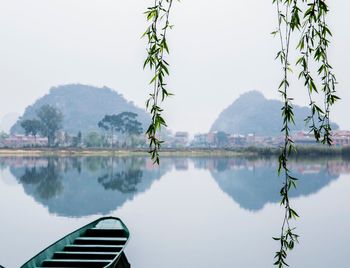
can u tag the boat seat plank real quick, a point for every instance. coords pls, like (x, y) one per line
(75, 263)
(101, 240)
(84, 255)
(94, 248)
(93, 232)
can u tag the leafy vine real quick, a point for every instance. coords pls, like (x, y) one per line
(158, 16)
(288, 21)
(309, 18)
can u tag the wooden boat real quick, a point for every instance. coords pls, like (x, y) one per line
(99, 244)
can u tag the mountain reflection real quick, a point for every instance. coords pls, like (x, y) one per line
(254, 183)
(81, 186)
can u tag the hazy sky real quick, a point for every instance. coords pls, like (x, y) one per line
(219, 49)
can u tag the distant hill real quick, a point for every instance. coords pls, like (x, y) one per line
(253, 113)
(83, 107)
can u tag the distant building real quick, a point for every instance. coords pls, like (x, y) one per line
(181, 139)
(18, 141)
(223, 140)
(200, 141)
(211, 137)
(237, 140)
(341, 137)
(304, 138)
(251, 139)
(211, 140)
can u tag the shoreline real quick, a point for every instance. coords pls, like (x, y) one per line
(166, 152)
(117, 152)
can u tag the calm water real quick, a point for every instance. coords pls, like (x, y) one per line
(189, 212)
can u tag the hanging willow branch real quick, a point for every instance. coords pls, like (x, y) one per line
(313, 45)
(307, 17)
(288, 21)
(158, 16)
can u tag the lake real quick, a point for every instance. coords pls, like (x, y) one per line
(188, 213)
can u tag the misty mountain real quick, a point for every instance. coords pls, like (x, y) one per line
(253, 113)
(83, 107)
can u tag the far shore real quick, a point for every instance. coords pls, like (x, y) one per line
(116, 152)
(319, 151)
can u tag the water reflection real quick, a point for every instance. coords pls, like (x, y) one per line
(81, 186)
(254, 183)
(47, 180)
(73, 186)
(191, 196)
(123, 175)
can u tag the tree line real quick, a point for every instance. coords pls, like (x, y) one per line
(117, 130)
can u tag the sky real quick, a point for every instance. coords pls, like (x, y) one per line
(219, 50)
